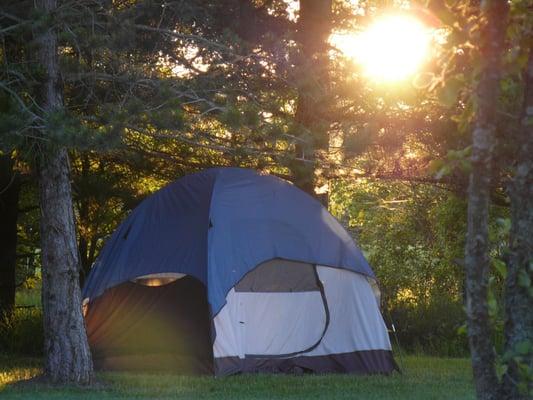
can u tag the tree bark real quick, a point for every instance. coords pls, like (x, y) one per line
(9, 199)
(314, 28)
(518, 300)
(493, 21)
(67, 354)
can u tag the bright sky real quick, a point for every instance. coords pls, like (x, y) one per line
(391, 49)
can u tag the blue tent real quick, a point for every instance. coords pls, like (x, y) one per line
(218, 226)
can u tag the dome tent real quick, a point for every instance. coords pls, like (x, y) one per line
(228, 271)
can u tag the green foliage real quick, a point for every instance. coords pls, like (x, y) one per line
(358, 142)
(449, 93)
(456, 162)
(413, 236)
(520, 355)
(21, 332)
(232, 117)
(29, 295)
(431, 328)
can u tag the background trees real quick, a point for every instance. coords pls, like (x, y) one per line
(152, 90)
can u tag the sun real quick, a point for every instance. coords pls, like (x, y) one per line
(392, 49)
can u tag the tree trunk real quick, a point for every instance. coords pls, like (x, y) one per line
(9, 198)
(314, 28)
(67, 355)
(518, 300)
(493, 17)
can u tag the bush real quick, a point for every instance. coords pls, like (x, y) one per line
(21, 332)
(431, 328)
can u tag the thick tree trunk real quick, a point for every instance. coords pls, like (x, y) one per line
(314, 28)
(518, 300)
(477, 261)
(9, 198)
(67, 355)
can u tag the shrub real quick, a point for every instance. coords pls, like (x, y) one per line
(431, 328)
(21, 332)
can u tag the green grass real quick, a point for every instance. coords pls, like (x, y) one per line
(424, 378)
(29, 297)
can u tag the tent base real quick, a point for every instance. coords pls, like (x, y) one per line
(358, 362)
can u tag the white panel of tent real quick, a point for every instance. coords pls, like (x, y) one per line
(273, 323)
(286, 322)
(355, 322)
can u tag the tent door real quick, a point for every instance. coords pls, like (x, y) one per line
(142, 326)
(277, 310)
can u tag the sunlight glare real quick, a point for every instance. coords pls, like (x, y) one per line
(391, 49)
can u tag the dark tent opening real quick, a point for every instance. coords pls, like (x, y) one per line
(152, 325)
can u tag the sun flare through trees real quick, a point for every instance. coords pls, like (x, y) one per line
(391, 49)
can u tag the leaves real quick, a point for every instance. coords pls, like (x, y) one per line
(501, 370)
(524, 279)
(456, 160)
(500, 267)
(462, 330)
(449, 93)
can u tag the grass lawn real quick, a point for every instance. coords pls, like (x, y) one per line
(423, 378)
